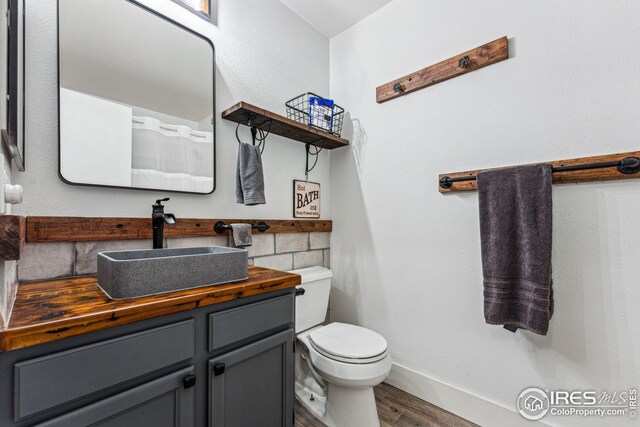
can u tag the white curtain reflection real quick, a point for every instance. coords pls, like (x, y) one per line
(170, 156)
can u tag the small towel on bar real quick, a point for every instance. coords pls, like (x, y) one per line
(515, 234)
(249, 176)
(240, 235)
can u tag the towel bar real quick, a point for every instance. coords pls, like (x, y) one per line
(627, 166)
(220, 227)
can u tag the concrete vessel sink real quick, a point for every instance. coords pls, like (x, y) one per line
(133, 274)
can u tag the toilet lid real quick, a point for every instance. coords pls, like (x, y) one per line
(348, 341)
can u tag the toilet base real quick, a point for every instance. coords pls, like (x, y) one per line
(314, 403)
(342, 407)
(352, 407)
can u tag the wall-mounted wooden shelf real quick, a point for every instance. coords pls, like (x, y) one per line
(282, 126)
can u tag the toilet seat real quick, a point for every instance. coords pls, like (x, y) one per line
(348, 343)
(346, 374)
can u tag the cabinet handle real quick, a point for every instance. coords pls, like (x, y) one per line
(300, 291)
(218, 369)
(189, 381)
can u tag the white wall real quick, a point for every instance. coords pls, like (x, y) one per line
(265, 55)
(407, 258)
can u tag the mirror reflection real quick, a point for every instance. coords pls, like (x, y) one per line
(136, 99)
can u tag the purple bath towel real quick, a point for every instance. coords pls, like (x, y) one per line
(515, 233)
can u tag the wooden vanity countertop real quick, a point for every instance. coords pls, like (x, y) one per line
(51, 310)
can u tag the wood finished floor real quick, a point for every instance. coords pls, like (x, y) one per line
(397, 409)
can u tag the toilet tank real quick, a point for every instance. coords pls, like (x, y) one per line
(311, 308)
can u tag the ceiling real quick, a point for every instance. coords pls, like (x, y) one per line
(331, 17)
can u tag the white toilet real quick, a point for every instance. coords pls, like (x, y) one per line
(337, 365)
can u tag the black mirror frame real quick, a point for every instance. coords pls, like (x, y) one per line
(201, 14)
(13, 136)
(177, 24)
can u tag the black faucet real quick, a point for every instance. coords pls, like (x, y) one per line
(158, 219)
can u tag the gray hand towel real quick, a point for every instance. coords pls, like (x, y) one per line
(515, 233)
(249, 176)
(240, 235)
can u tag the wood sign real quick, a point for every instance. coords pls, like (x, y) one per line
(306, 199)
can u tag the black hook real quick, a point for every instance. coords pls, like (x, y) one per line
(398, 87)
(306, 166)
(254, 132)
(464, 62)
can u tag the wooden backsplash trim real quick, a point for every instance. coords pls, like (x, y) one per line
(12, 237)
(42, 229)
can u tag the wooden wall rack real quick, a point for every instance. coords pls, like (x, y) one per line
(487, 54)
(283, 126)
(584, 169)
(42, 229)
(12, 237)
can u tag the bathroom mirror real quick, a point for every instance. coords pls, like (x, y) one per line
(136, 99)
(13, 123)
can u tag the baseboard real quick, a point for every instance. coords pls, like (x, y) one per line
(467, 405)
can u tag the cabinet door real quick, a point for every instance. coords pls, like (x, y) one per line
(164, 402)
(60, 378)
(253, 386)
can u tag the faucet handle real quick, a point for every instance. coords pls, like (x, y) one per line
(159, 201)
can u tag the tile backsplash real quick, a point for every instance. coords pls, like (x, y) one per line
(284, 251)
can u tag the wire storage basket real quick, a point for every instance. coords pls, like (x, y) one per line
(316, 111)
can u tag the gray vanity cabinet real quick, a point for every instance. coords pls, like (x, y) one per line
(252, 386)
(164, 402)
(225, 365)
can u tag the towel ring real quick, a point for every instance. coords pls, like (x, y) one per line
(257, 134)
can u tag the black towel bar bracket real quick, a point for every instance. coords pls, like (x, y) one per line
(626, 166)
(220, 227)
